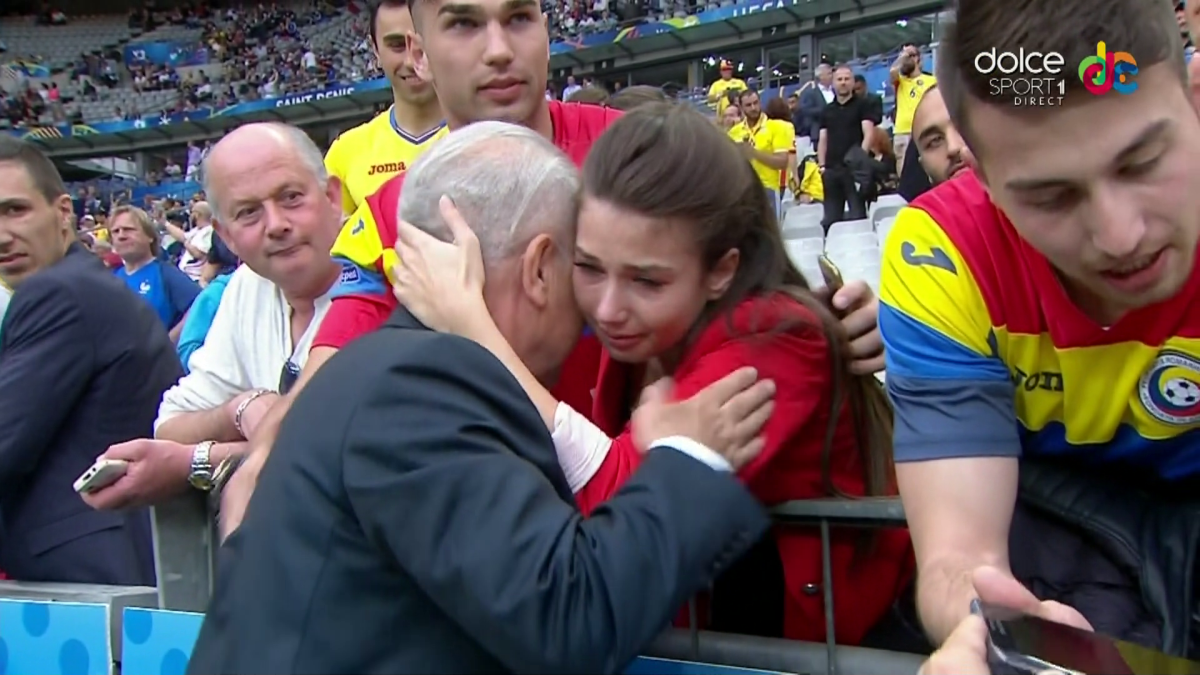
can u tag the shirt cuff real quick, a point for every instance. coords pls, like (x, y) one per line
(696, 450)
(580, 445)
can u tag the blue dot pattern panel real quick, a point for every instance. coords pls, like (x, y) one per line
(158, 642)
(648, 666)
(54, 638)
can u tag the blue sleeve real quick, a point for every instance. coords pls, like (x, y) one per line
(181, 291)
(199, 320)
(951, 391)
(948, 400)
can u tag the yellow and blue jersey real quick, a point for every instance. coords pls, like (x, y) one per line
(987, 356)
(370, 154)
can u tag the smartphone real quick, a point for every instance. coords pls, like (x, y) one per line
(830, 273)
(1028, 645)
(103, 473)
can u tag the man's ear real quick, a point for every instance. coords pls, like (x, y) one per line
(416, 47)
(65, 208)
(537, 270)
(333, 191)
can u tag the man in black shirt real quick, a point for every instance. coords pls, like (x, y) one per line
(845, 124)
(874, 101)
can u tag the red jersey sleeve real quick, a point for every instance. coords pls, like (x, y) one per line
(799, 366)
(350, 316)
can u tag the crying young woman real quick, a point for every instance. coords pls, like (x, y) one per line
(680, 270)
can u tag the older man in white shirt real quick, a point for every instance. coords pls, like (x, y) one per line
(279, 212)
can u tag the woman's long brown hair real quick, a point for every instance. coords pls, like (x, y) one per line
(669, 161)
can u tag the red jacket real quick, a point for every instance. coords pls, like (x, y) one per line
(789, 467)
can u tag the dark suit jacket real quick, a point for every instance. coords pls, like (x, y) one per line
(413, 518)
(83, 365)
(812, 103)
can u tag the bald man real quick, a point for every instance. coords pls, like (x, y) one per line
(279, 211)
(943, 154)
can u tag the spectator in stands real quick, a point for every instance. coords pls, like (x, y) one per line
(279, 212)
(940, 148)
(1020, 281)
(220, 260)
(813, 98)
(909, 82)
(107, 255)
(570, 88)
(845, 124)
(730, 118)
(766, 143)
(197, 241)
(471, 541)
(593, 95)
(636, 96)
(83, 364)
(167, 290)
(666, 193)
(199, 319)
(874, 102)
(718, 91)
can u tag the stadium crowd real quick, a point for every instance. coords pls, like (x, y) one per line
(509, 217)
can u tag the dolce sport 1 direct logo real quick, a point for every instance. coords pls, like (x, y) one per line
(1031, 78)
(1108, 71)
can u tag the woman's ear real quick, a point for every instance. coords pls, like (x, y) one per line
(722, 274)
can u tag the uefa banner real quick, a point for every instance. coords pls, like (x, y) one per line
(65, 638)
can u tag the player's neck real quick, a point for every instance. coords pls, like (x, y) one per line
(416, 120)
(540, 122)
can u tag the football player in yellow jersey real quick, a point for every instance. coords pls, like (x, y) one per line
(910, 83)
(368, 155)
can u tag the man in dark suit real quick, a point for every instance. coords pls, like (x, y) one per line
(813, 100)
(83, 364)
(414, 518)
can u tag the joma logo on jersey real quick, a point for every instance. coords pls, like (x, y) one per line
(389, 167)
(1047, 381)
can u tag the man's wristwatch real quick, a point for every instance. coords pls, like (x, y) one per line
(201, 476)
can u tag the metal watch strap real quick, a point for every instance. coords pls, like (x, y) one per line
(202, 468)
(241, 409)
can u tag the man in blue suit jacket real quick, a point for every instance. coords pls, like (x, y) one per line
(83, 364)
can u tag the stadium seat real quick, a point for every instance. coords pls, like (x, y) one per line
(847, 227)
(887, 207)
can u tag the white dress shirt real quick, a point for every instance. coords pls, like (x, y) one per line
(582, 446)
(247, 347)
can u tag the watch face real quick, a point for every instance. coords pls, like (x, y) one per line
(201, 481)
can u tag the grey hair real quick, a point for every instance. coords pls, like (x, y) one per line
(310, 155)
(506, 180)
(823, 68)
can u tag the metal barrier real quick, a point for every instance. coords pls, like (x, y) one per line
(825, 513)
(185, 548)
(779, 656)
(184, 537)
